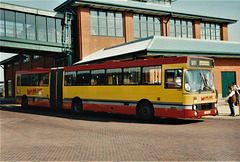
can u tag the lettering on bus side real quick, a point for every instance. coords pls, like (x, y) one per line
(34, 91)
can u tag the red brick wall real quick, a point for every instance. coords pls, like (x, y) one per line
(225, 64)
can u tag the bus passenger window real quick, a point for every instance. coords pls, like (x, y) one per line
(152, 75)
(83, 77)
(98, 77)
(34, 80)
(70, 78)
(131, 76)
(114, 76)
(43, 79)
(173, 78)
(25, 80)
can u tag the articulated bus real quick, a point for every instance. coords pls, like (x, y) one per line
(176, 87)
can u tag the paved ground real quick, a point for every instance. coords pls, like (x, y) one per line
(43, 135)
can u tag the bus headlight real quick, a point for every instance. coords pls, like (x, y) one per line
(194, 107)
(195, 113)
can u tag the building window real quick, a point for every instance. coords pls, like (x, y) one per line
(106, 23)
(16, 63)
(42, 28)
(165, 2)
(25, 58)
(181, 28)
(146, 25)
(35, 57)
(59, 30)
(31, 26)
(51, 29)
(210, 31)
(2, 23)
(10, 23)
(20, 25)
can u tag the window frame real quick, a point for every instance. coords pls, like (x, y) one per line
(165, 79)
(100, 23)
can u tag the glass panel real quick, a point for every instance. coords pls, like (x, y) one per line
(44, 79)
(172, 28)
(157, 26)
(70, 78)
(41, 28)
(20, 25)
(199, 80)
(25, 80)
(98, 77)
(31, 28)
(83, 77)
(2, 23)
(152, 75)
(173, 78)
(131, 76)
(10, 23)
(51, 27)
(59, 30)
(114, 76)
(25, 58)
(34, 80)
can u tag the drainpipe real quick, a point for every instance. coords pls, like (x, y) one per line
(169, 16)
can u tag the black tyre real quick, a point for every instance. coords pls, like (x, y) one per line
(77, 106)
(24, 102)
(145, 111)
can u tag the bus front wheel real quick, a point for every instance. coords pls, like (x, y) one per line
(24, 102)
(77, 106)
(145, 111)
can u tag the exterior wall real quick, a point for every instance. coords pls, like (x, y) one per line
(196, 29)
(224, 32)
(89, 44)
(224, 65)
(128, 26)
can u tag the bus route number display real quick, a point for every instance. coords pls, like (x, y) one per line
(194, 62)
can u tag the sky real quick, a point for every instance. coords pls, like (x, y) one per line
(218, 8)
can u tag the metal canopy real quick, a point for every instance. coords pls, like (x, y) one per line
(166, 46)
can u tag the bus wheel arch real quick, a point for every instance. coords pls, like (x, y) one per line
(145, 110)
(77, 106)
(24, 103)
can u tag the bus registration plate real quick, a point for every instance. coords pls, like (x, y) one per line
(207, 112)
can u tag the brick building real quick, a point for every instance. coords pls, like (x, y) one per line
(102, 24)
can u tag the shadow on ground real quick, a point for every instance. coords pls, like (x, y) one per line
(96, 116)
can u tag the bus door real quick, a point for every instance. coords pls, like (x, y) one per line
(173, 84)
(56, 83)
(60, 88)
(53, 88)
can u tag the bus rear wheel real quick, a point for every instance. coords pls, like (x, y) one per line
(77, 106)
(145, 111)
(24, 102)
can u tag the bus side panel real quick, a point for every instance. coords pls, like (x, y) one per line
(110, 108)
(182, 113)
(170, 113)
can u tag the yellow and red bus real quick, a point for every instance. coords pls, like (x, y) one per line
(176, 87)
